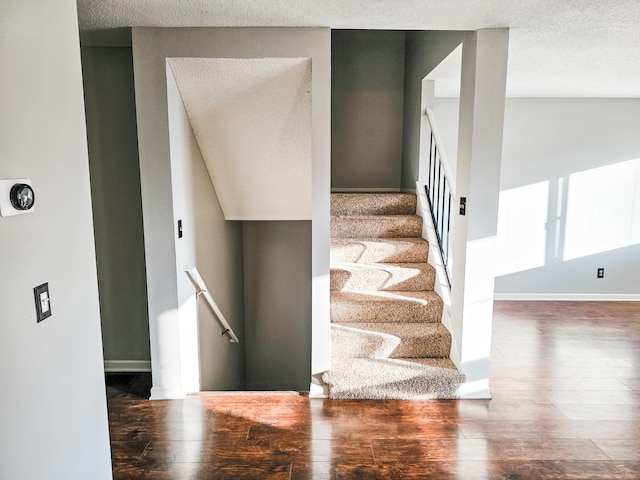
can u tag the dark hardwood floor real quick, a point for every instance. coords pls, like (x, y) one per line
(565, 381)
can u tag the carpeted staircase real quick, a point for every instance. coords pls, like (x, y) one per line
(386, 337)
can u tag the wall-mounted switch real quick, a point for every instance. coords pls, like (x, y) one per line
(463, 205)
(601, 273)
(179, 228)
(43, 302)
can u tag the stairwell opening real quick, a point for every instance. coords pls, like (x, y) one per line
(241, 157)
(388, 340)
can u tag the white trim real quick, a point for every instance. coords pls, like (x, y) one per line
(161, 393)
(569, 297)
(318, 391)
(115, 366)
(365, 190)
(478, 390)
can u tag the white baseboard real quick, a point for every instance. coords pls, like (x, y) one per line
(478, 390)
(318, 391)
(365, 190)
(569, 297)
(115, 366)
(161, 393)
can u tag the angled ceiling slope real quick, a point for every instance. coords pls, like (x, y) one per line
(252, 121)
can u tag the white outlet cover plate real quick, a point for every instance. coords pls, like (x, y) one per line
(6, 209)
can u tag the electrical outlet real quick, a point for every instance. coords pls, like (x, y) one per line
(43, 301)
(601, 273)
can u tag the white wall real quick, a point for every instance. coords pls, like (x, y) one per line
(151, 47)
(480, 135)
(574, 167)
(214, 246)
(53, 420)
(570, 184)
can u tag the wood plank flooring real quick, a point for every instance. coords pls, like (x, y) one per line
(566, 385)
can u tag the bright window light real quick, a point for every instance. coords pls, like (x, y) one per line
(522, 228)
(603, 209)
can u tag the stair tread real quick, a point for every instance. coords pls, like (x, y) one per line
(393, 340)
(401, 378)
(412, 276)
(406, 330)
(394, 306)
(386, 240)
(373, 203)
(382, 265)
(376, 218)
(420, 298)
(383, 226)
(379, 250)
(386, 332)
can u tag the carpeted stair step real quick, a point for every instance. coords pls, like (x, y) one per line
(419, 379)
(416, 340)
(387, 341)
(387, 226)
(373, 204)
(403, 277)
(348, 341)
(377, 250)
(371, 307)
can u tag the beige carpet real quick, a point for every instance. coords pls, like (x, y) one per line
(387, 340)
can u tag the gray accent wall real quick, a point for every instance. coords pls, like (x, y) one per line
(117, 205)
(53, 420)
(277, 285)
(424, 51)
(367, 81)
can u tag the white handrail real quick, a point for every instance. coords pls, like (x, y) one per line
(443, 158)
(201, 289)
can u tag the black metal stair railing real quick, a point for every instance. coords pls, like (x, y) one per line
(440, 199)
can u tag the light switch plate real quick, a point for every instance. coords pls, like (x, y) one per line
(43, 302)
(6, 209)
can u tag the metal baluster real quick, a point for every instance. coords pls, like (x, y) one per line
(447, 245)
(439, 180)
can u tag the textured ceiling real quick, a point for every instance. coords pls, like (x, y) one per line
(252, 121)
(588, 48)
